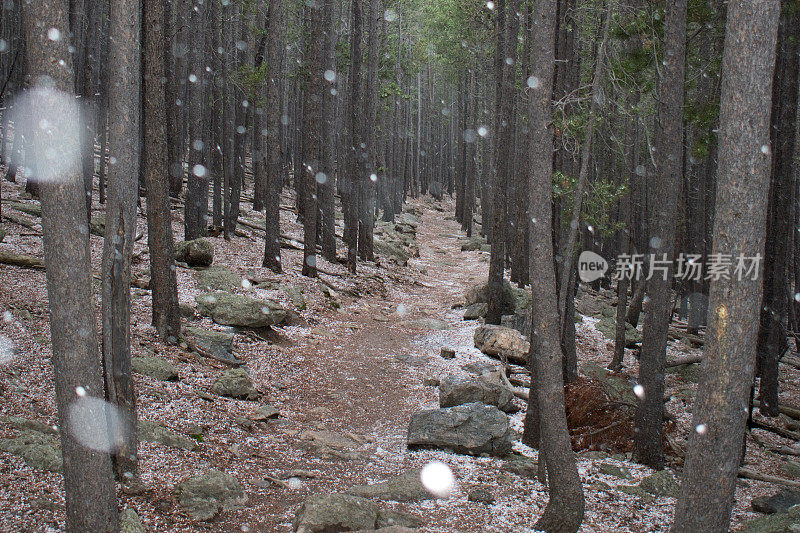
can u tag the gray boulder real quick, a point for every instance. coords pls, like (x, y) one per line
(480, 294)
(661, 483)
(407, 487)
(217, 344)
(473, 428)
(235, 383)
(296, 295)
(476, 311)
(204, 497)
(391, 250)
(155, 367)
(236, 310)
(783, 522)
(472, 244)
(343, 512)
(777, 503)
(459, 390)
(196, 253)
(499, 342)
(218, 278)
(149, 431)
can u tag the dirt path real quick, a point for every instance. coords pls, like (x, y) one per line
(346, 377)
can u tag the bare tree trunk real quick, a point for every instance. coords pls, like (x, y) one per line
(123, 97)
(90, 496)
(564, 511)
(772, 333)
(272, 244)
(720, 412)
(648, 439)
(166, 314)
(328, 162)
(351, 184)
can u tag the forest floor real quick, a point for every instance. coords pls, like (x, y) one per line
(352, 364)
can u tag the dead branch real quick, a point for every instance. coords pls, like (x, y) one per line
(746, 473)
(20, 260)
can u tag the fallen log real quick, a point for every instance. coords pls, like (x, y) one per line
(20, 220)
(791, 412)
(746, 473)
(685, 361)
(20, 260)
(785, 433)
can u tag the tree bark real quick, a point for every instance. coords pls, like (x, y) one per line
(90, 496)
(272, 200)
(648, 439)
(123, 175)
(720, 412)
(564, 511)
(166, 314)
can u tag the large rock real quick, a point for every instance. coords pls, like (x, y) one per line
(617, 386)
(472, 244)
(236, 310)
(392, 250)
(480, 294)
(784, 522)
(204, 497)
(777, 503)
(343, 512)
(218, 344)
(407, 487)
(608, 327)
(39, 450)
(155, 367)
(459, 390)
(473, 428)
(476, 311)
(500, 342)
(661, 483)
(149, 431)
(520, 321)
(235, 383)
(196, 253)
(218, 278)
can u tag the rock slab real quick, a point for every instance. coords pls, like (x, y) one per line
(472, 429)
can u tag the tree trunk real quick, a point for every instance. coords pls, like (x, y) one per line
(772, 333)
(90, 496)
(648, 439)
(351, 183)
(123, 135)
(166, 314)
(311, 170)
(720, 412)
(564, 511)
(272, 200)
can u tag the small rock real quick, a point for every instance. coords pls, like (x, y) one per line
(427, 323)
(154, 367)
(216, 343)
(430, 382)
(265, 412)
(480, 368)
(458, 390)
(336, 512)
(481, 494)
(218, 278)
(186, 310)
(204, 497)
(196, 253)
(129, 522)
(296, 295)
(243, 422)
(614, 471)
(407, 487)
(448, 353)
(153, 432)
(235, 383)
(522, 466)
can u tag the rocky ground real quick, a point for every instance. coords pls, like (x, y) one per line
(296, 403)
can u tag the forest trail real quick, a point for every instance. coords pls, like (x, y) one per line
(346, 375)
